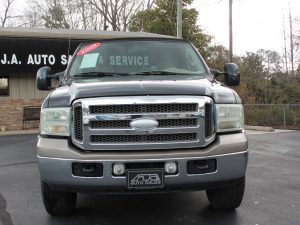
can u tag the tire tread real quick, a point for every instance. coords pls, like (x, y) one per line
(228, 197)
(58, 203)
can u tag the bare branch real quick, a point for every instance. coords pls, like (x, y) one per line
(84, 14)
(6, 15)
(118, 13)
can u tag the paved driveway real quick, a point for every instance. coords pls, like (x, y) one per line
(272, 194)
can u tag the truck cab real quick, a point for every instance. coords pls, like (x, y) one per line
(140, 114)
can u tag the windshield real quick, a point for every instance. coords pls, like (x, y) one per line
(132, 57)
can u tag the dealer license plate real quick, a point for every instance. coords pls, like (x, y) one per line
(145, 179)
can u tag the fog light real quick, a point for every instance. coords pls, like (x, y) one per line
(170, 167)
(118, 169)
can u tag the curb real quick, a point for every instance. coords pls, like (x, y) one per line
(19, 132)
(259, 128)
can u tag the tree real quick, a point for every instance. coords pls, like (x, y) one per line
(263, 80)
(297, 43)
(55, 17)
(49, 13)
(291, 37)
(258, 82)
(218, 56)
(84, 14)
(88, 15)
(118, 13)
(252, 66)
(272, 61)
(162, 20)
(252, 75)
(6, 6)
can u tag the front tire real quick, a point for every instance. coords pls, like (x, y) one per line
(228, 197)
(58, 203)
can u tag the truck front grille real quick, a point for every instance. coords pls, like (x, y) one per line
(78, 122)
(123, 124)
(105, 123)
(152, 138)
(142, 108)
(208, 121)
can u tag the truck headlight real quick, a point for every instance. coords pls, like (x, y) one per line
(230, 117)
(55, 121)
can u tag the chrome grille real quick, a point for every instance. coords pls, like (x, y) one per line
(177, 123)
(208, 121)
(104, 123)
(110, 124)
(154, 138)
(78, 122)
(151, 108)
(122, 124)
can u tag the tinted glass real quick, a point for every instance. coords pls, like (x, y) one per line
(132, 57)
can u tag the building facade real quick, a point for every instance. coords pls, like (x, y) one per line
(22, 52)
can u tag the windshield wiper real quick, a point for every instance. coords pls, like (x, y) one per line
(159, 72)
(98, 74)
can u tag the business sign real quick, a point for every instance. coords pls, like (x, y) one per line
(19, 55)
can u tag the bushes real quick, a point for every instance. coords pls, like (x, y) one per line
(274, 115)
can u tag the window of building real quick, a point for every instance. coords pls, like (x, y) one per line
(4, 86)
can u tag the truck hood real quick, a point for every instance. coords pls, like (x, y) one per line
(65, 95)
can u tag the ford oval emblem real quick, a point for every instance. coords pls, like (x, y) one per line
(145, 124)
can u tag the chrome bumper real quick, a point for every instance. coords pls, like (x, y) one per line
(230, 151)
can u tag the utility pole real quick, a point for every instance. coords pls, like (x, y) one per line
(179, 18)
(291, 38)
(230, 32)
(285, 56)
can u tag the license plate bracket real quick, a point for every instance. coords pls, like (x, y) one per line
(145, 179)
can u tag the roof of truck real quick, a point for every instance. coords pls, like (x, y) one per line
(73, 34)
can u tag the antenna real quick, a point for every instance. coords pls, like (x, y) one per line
(69, 46)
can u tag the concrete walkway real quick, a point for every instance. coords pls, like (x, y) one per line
(19, 132)
(259, 128)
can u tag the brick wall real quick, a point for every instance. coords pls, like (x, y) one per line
(11, 113)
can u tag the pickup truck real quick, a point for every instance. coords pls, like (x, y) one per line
(138, 115)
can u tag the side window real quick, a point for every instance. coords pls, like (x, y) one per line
(4, 86)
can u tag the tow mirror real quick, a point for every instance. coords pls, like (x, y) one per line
(44, 77)
(216, 73)
(231, 74)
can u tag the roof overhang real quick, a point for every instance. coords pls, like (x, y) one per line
(74, 34)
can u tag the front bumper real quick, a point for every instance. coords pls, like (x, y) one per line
(55, 158)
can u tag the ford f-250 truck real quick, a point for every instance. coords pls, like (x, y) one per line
(140, 114)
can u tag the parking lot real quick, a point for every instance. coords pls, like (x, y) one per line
(272, 194)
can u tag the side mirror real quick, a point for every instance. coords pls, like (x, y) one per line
(58, 76)
(43, 79)
(231, 74)
(216, 73)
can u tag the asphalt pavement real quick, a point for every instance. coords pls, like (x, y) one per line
(272, 194)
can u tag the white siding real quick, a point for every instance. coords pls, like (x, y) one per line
(22, 86)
